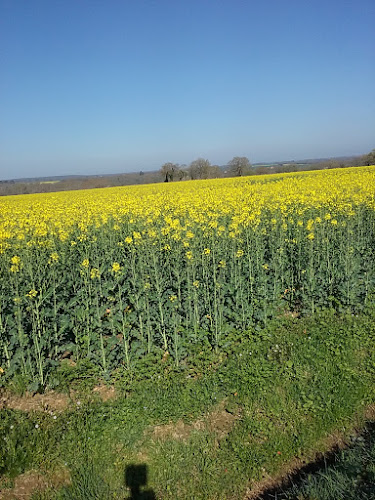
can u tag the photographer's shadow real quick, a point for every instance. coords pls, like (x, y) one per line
(136, 481)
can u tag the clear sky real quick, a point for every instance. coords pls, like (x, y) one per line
(107, 86)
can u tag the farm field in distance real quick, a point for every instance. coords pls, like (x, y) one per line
(233, 318)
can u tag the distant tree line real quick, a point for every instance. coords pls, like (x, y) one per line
(241, 166)
(200, 168)
(15, 187)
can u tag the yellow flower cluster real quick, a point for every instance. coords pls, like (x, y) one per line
(94, 273)
(16, 264)
(116, 268)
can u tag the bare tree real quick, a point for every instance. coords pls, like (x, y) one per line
(239, 165)
(200, 169)
(169, 171)
(369, 159)
(215, 172)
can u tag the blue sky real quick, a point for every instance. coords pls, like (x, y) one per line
(107, 86)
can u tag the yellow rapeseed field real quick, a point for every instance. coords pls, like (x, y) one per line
(239, 201)
(111, 275)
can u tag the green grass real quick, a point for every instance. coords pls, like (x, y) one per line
(281, 390)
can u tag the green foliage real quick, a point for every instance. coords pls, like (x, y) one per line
(26, 440)
(160, 302)
(87, 484)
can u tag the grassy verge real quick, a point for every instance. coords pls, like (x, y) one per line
(349, 474)
(212, 429)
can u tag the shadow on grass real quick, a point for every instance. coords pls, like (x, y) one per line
(136, 481)
(340, 466)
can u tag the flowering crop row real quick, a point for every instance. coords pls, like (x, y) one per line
(119, 273)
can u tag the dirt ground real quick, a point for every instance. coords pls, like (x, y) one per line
(219, 421)
(50, 401)
(26, 484)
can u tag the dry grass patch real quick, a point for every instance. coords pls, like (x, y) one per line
(50, 401)
(219, 421)
(28, 483)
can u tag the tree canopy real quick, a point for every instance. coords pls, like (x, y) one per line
(239, 165)
(169, 171)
